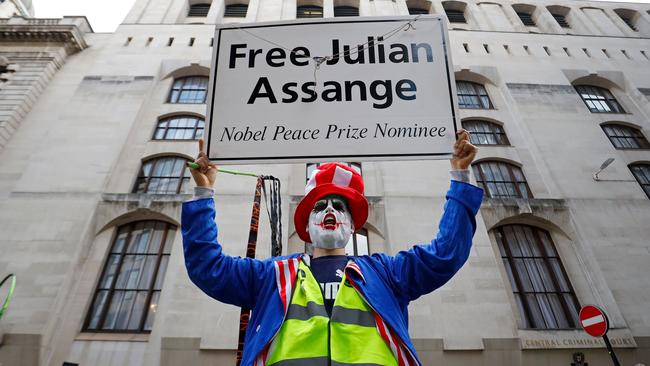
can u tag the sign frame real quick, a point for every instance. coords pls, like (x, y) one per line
(308, 158)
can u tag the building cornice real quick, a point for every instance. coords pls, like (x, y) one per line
(69, 31)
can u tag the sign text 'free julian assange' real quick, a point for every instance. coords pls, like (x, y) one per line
(327, 90)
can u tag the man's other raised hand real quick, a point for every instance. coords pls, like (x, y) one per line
(464, 151)
(206, 174)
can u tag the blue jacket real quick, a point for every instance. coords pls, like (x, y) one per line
(389, 282)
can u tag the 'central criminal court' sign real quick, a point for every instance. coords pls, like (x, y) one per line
(319, 90)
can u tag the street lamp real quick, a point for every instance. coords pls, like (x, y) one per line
(604, 165)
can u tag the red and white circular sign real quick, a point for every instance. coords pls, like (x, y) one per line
(594, 321)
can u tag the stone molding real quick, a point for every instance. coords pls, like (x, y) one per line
(68, 30)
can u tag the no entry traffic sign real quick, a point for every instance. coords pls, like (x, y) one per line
(594, 321)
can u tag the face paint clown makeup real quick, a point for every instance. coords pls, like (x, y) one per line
(330, 223)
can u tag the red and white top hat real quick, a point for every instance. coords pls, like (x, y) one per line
(332, 179)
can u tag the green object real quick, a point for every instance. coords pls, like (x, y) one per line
(349, 336)
(5, 305)
(222, 170)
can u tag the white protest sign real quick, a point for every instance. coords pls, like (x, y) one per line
(385, 92)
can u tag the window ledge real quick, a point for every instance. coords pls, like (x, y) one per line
(557, 204)
(145, 197)
(119, 337)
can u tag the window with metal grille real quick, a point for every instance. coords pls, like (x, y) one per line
(526, 18)
(358, 243)
(309, 11)
(179, 128)
(641, 172)
(163, 175)
(561, 20)
(599, 100)
(501, 180)
(418, 11)
(199, 10)
(236, 10)
(126, 298)
(455, 16)
(346, 11)
(485, 133)
(472, 96)
(313, 166)
(541, 287)
(190, 90)
(625, 137)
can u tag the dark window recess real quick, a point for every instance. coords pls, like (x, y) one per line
(629, 22)
(541, 287)
(191, 90)
(641, 172)
(485, 133)
(456, 16)
(164, 175)
(501, 180)
(199, 10)
(599, 100)
(527, 19)
(346, 11)
(472, 96)
(418, 11)
(179, 128)
(236, 10)
(561, 20)
(625, 137)
(126, 298)
(309, 11)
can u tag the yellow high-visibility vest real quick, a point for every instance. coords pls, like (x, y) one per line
(310, 337)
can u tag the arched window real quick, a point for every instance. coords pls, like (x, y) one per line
(625, 137)
(485, 133)
(179, 128)
(560, 13)
(501, 180)
(163, 175)
(346, 11)
(417, 7)
(641, 172)
(309, 11)
(236, 10)
(455, 11)
(630, 17)
(526, 18)
(544, 295)
(472, 96)
(598, 100)
(127, 294)
(199, 10)
(525, 13)
(417, 11)
(191, 90)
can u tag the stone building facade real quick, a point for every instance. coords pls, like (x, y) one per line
(94, 128)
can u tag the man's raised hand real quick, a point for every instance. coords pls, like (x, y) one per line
(464, 151)
(206, 173)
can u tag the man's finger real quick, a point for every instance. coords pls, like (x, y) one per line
(200, 146)
(463, 135)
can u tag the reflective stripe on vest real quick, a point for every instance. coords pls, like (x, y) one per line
(309, 337)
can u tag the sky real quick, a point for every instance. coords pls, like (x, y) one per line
(105, 16)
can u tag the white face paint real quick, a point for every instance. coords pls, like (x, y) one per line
(330, 224)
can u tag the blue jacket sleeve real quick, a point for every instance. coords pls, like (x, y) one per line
(424, 268)
(232, 280)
